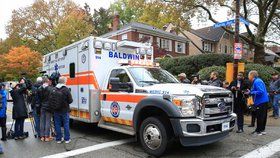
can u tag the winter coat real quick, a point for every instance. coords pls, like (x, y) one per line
(67, 97)
(259, 93)
(217, 83)
(3, 103)
(239, 97)
(35, 101)
(44, 94)
(19, 107)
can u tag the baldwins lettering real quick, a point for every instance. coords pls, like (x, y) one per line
(123, 56)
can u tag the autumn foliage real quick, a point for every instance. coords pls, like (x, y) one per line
(19, 60)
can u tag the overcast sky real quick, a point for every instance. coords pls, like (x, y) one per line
(6, 9)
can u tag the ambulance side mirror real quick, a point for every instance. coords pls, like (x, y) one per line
(117, 86)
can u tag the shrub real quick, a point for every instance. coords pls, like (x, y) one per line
(192, 64)
(263, 70)
(205, 72)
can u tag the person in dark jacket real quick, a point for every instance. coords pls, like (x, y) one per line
(19, 108)
(238, 87)
(45, 114)
(214, 80)
(183, 78)
(3, 108)
(62, 115)
(275, 94)
(260, 97)
(36, 105)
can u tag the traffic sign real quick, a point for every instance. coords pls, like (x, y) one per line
(230, 22)
(238, 49)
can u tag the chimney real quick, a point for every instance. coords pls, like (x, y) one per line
(116, 21)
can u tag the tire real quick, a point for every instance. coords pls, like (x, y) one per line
(154, 136)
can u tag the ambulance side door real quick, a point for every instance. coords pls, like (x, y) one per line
(117, 105)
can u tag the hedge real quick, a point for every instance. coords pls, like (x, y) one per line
(263, 70)
(192, 64)
(204, 73)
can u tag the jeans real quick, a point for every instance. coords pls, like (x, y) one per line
(240, 117)
(275, 105)
(45, 123)
(19, 124)
(58, 119)
(36, 122)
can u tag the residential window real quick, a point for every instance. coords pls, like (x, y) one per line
(145, 38)
(124, 37)
(226, 36)
(165, 44)
(207, 46)
(180, 47)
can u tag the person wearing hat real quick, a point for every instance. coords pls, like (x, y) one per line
(183, 78)
(275, 94)
(3, 108)
(19, 108)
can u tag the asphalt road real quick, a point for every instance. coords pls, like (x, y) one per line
(85, 135)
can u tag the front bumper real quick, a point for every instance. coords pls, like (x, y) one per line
(196, 132)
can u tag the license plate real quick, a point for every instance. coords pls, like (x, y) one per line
(225, 126)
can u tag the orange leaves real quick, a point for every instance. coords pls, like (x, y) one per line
(18, 60)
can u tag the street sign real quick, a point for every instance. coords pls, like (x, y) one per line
(225, 23)
(238, 49)
(230, 22)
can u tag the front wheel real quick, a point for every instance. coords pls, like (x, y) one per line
(153, 136)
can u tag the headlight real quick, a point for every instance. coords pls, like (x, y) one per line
(188, 105)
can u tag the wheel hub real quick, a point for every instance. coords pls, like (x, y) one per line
(152, 136)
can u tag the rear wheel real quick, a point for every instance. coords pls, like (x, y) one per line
(154, 136)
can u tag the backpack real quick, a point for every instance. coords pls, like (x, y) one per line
(56, 100)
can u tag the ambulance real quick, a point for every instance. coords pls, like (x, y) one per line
(117, 85)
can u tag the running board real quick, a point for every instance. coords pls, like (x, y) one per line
(116, 127)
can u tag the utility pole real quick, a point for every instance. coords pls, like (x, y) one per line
(236, 37)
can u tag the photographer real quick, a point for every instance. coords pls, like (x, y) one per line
(19, 108)
(238, 87)
(36, 105)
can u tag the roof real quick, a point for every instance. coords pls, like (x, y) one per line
(146, 29)
(209, 33)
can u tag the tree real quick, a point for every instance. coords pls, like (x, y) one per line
(102, 19)
(43, 24)
(19, 60)
(267, 12)
(156, 13)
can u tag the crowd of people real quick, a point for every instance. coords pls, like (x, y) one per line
(249, 94)
(46, 103)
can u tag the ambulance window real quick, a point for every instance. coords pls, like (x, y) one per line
(72, 70)
(120, 73)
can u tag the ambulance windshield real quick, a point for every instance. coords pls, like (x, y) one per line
(150, 76)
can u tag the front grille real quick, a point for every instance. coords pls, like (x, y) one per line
(217, 105)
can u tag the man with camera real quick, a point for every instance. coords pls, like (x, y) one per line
(18, 93)
(238, 87)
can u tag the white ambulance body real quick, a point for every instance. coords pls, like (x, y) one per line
(117, 85)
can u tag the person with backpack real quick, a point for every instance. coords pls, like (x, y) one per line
(45, 113)
(3, 108)
(36, 104)
(60, 99)
(19, 108)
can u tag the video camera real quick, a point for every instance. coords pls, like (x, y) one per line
(27, 81)
(53, 77)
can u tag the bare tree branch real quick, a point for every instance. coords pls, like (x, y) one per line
(273, 42)
(245, 16)
(270, 16)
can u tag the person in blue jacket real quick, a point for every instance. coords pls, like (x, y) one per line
(260, 96)
(3, 108)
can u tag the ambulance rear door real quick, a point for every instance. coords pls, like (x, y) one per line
(85, 80)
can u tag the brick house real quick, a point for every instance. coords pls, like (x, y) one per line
(165, 44)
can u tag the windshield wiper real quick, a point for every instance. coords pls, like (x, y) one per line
(150, 82)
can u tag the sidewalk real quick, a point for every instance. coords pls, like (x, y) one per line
(270, 120)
